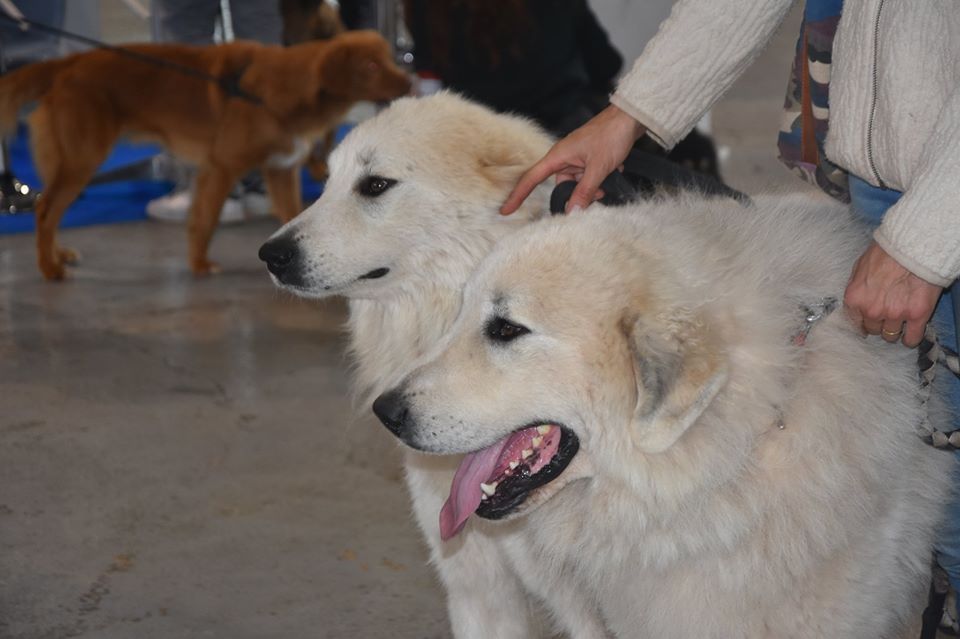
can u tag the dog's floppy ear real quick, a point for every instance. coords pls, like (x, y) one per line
(679, 370)
(501, 165)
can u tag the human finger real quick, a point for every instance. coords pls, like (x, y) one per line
(587, 188)
(568, 174)
(536, 174)
(856, 319)
(872, 326)
(913, 333)
(891, 330)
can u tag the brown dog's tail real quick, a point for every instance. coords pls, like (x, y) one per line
(24, 85)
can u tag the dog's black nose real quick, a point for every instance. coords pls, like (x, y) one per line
(279, 254)
(392, 409)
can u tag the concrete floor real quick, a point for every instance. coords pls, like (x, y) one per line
(173, 460)
(179, 458)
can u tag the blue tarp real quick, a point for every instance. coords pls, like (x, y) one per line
(120, 201)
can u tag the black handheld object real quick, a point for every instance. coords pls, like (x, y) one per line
(643, 174)
(617, 191)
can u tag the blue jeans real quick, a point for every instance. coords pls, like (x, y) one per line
(871, 203)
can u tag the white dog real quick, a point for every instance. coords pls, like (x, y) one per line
(667, 459)
(410, 208)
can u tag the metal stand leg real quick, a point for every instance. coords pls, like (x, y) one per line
(389, 22)
(15, 196)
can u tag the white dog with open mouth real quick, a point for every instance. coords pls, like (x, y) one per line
(666, 456)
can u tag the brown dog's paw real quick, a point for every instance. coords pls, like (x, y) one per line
(68, 256)
(202, 268)
(52, 271)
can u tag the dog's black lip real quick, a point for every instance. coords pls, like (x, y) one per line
(291, 280)
(376, 273)
(514, 490)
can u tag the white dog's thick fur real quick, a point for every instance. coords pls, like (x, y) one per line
(454, 163)
(729, 483)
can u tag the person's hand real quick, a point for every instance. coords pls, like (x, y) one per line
(588, 155)
(883, 298)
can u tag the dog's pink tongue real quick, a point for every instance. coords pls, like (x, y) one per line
(465, 490)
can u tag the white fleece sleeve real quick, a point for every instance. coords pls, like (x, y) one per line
(922, 230)
(697, 54)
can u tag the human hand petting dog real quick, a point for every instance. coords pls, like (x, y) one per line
(588, 155)
(884, 298)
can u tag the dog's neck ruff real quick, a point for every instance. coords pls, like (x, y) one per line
(931, 356)
(388, 335)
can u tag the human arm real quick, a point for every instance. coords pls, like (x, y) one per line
(695, 57)
(919, 240)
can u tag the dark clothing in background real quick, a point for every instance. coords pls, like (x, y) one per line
(22, 47)
(193, 21)
(358, 14)
(559, 71)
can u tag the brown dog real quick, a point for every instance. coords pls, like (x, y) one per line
(269, 105)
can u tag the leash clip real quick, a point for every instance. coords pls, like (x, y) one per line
(812, 314)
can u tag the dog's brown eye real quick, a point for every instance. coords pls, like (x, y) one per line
(374, 185)
(500, 329)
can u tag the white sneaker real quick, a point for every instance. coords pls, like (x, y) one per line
(255, 204)
(176, 207)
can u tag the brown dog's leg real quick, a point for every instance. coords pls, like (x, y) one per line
(50, 209)
(317, 162)
(68, 146)
(212, 187)
(283, 187)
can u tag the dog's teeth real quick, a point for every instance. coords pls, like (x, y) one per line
(513, 465)
(526, 453)
(483, 498)
(488, 489)
(537, 441)
(543, 430)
